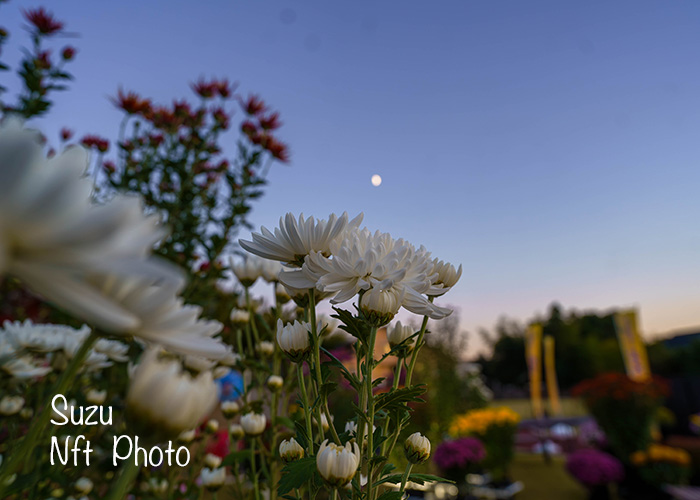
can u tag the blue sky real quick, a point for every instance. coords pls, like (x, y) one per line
(550, 147)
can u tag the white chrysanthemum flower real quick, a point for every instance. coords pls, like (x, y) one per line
(83, 486)
(23, 368)
(293, 339)
(198, 364)
(212, 426)
(52, 237)
(94, 361)
(248, 270)
(187, 436)
(113, 349)
(163, 318)
(164, 401)
(270, 270)
(363, 260)
(398, 334)
(265, 348)
(236, 432)
(296, 238)
(212, 461)
(274, 383)
(9, 405)
(380, 306)
(239, 317)
(96, 397)
(290, 450)
(230, 408)
(41, 338)
(417, 448)
(213, 479)
(447, 277)
(281, 293)
(253, 423)
(338, 464)
(159, 487)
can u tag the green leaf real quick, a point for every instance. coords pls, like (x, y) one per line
(395, 400)
(414, 478)
(286, 421)
(351, 324)
(391, 495)
(302, 436)
(295, 474)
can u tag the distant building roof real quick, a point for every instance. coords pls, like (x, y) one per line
(681, 340)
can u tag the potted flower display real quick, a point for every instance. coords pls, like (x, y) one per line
(458, 457)
(495, 427)
(595, 470)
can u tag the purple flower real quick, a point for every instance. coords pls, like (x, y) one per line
(459, 454)
(592, 467)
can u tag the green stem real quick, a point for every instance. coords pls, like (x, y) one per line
(334, 494)
(307, 412)
(404, 479)
(369, 367)
(27, 445)
(121, 487)
(254, 470)
(417, 346)
(394, 386)
(317, 365)
(252, 316)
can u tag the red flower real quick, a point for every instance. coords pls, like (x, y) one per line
(221, 118)
(253, 106)
(249, 128)
(224, 88)
(43, 21)
(271, 122)
(277, 149)
(205, 90)
(131, 103)
(94, 141)
(109, 166)
(66, 134)
(68, 53)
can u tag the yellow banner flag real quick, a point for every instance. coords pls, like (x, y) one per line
(634, 352)
(533, 353)
(550, 374)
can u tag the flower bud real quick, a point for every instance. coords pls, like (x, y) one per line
(338, 464)
(265, 348)
(96, 397)
(26, 413)
(9, 405)
(253, 423)
(229, 409)
(281, 294)
(83, 486)
(275, 383)
(236, 431)
(270, 270)
(380, 306)
(446, 276)
(212, 461)
(164, 401)
(397, 335)
(239, 318)
(293, 339)
(213, 479)
(417, 448)
(212, 426)
(290, 450)
(187, 436)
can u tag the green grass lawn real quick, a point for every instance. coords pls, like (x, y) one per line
(545, 481)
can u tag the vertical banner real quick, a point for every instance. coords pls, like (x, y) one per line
(550, 374)
(634, 352)
(533, 353)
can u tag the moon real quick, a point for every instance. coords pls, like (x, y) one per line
(376, 180)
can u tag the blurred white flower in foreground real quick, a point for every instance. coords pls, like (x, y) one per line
(338, 464)
(52, 237)
(296, 238)
(164, 400)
